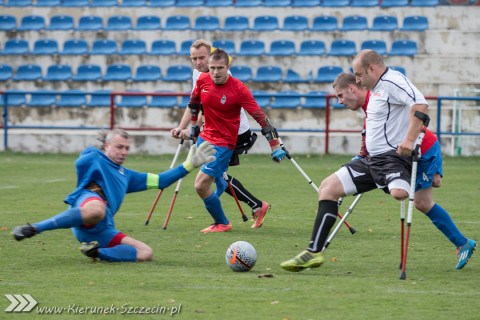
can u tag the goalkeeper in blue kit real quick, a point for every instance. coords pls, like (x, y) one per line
(102, 183)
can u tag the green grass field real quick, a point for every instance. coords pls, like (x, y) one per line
(359, 279)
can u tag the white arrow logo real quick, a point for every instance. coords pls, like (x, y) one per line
(20, 303)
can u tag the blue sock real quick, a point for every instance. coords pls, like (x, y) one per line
(221, 186)
(67, 219)
(118, 253)
(441, 219)
(214, 207)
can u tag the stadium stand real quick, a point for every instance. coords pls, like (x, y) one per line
(282, 48)
(262, 102)
(178, 73)
(293, 77)
(397, 68)
(42, 98)
(185, 47)
(6, 72)
(47, 3)
(218, 3)
(104, 47)
(75, 3)
(58, 72)
(133, 3)
(88, 72)
(163, 47)
(61, 22)
(324, 23)
(148, 73)
(241, 72)
(376, 45)
(415, 23)
(312, 48)
(15, 47)
(277, 3)
(177, 22)
(118, 23)
(132, 101)
(328, 73)
(394, 3)
(163, 101)
(103, 3)
(265, 23)
(162, 3)
(235, 23)
(364, 3)
(268, 74)
(355, 22)
(90, 23)
(100, 98)
(225, 44)
(18, 3)
(133, 47)
(28, 72)
(13, 99)
(295, 23)
(45, 46)
(190, 3)
(286, 101)
(424, 3)
(75, 47)
(248, 3)
(8, 22)
(315, 99)
(32, 23)
(148, 22)
(118, 72)
(342, 47)
(306, 3)
(206, 23)
(251, 48)
(403, 48)
(78, 99)
(335, 3)
(384, 23)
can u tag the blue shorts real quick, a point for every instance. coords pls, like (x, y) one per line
(104, 231)
(429, 164)
(220, 165)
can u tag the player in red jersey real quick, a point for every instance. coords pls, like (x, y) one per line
(221, 97)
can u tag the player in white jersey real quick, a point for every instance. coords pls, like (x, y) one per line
(391, 131)
(199, 53)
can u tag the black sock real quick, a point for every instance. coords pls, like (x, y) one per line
(242, 194)
(326, 217)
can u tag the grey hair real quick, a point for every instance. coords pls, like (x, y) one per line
(107, 136)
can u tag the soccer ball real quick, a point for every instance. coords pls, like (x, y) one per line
(241, 256)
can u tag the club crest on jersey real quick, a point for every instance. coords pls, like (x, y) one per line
(121, 171)
(224, 99)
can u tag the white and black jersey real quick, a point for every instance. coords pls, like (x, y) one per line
(388, 113)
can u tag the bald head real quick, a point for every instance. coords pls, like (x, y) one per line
(368, 67)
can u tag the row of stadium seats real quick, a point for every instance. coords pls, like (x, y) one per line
(123, 72)
(212, 23)
(101, 98)
(339, 47)
(220, 3)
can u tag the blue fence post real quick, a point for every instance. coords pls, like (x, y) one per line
(5, 121)
(439, 115)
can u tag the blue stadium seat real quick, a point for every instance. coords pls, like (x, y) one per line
(206, 23)
(118, 72)
(90, 23)
(58, 72)
(356, 22)
(324, 23)
(265, 23)
(286, 101)
(8, 22)
(14, 98)
(236, 23)
(103, 3)
(101, 98)
(118, 23)
(424, 3)
(315, 99)
(364, 3)
(133, 3)
(248, 3)
(227, 45)
(75, 3)
(342, 47)
(148, 22)
(277, 3)
(190, 3)
(78, 99)
(61, 22)
(163, 47)
(148, 73)
(163, 101)
(218, 3)
(415, 23)
(384, 23)
(268, 74)
(177, 22)
(185, 47)
(18, 3)
(32, 23)
(394, 3)
(47, 3)
(75, 47)
(184, 101)
(282, 48)
(42, 98)
(178, 73)
(88, 72)
(132, 101)
(328, 73)
(403, 48)
(133, 47)
(262, 102)
(335, 3)
(241, 72)
(295, 23)
(251, 48)
(306, 3)
(312, 48)
(15, 46)
(399, 69)
(376, 45)
(104, 47)
(293, 77)
(45, 46)
(162, 3)
(6, 72)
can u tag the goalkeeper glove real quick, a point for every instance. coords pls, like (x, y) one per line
(199, 156)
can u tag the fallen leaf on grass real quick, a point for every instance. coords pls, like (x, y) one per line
(199, 311)
(265, 275)
(275, 302)
(171, 300)
(334, 259)
(4, 228)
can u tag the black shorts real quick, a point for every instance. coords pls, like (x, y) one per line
(244, 142)
(386, 171)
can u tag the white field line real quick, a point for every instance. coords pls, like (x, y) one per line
(9, 187)
(454, 293)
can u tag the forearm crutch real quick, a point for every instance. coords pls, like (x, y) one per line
(225, 176)
(160, 191)
(411, 197)
(177, 188)
(310, 182)
(334, 232)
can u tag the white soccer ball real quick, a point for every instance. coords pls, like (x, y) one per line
(241, 256)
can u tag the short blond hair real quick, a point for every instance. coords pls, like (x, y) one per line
(345, 79)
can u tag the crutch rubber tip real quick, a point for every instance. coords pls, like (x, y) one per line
(146, 223)
(352, 230)
(402, 275)
(400, 266)
(244, 217)
(164, 228)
